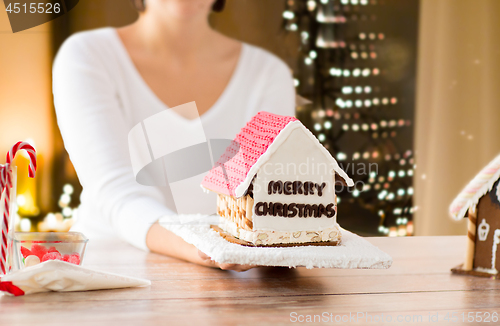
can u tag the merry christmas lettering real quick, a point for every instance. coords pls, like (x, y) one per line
(295, 187)
(293, 209)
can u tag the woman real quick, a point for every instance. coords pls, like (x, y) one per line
(108, 80)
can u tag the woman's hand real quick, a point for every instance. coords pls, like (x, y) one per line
(162, 241)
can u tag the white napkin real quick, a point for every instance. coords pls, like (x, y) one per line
(354, 251)
(61, 276)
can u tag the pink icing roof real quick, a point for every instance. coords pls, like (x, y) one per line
(477, 188)
(254, 139)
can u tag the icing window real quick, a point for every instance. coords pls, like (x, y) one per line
(483, 230)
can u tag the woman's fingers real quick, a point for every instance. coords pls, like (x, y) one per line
(207, 261)
(235, 267)
(203, 255)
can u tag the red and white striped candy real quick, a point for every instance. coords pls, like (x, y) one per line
(6, 184)
(4, 175)
(31, 152)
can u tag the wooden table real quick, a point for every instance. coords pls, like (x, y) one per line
(418, 284)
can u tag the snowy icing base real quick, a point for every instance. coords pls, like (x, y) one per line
(486, 270)
(265, 237)
(354, 252)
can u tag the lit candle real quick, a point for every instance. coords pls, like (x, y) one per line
(26, 186)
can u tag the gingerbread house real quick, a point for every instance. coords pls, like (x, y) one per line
(275, 185)
(480, 202)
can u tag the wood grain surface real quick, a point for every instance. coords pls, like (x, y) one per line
(418, 287)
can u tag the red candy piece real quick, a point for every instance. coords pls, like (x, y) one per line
(74, 258)
(53, 249)
(26, 252)
(38, 250)
(52, 256)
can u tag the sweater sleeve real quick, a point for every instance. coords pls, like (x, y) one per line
(95, 131)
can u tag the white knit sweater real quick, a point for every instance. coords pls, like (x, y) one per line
(99, 96)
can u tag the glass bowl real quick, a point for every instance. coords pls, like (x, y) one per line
(31, 248)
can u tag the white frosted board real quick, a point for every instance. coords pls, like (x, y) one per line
(354, 251)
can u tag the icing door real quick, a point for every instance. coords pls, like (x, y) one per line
(494, 251)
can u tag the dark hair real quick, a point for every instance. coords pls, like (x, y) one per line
(139, 5)
(218, 5)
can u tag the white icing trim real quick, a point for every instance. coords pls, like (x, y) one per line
(498, 191)
(280, 139)
(496, 242)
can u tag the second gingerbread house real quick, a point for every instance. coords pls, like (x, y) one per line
(479, 201)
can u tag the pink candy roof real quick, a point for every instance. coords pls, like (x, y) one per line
(257, 141)
(477, 188)
(254, 140)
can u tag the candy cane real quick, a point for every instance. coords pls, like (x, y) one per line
(31, 152)
(4, 176)
(6, 185)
